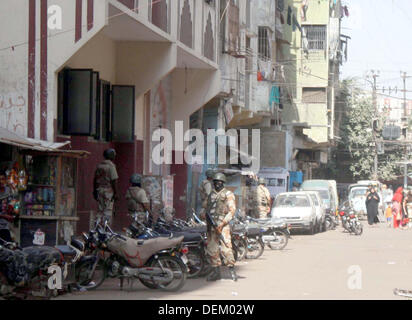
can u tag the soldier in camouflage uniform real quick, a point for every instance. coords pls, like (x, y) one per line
(221, 208)
(137, 200)
(205, 190)
(263, 199)
(105, 185)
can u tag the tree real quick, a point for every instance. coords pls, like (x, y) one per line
(356, 132)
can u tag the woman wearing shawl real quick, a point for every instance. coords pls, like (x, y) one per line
(396, 207)
(372, 203)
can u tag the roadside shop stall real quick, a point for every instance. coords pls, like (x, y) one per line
(38, 187)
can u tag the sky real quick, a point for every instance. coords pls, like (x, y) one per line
(381, 40)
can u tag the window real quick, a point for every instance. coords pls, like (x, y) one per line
(264, 44)
(315, 36)
(314, 95)
(89, 106)
(315, 200)
(292, 201)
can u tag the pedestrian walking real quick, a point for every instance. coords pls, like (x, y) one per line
(221, 210)
(396, 207)
(388, 215)
(105, 185)
(372, 203)
(407, 207)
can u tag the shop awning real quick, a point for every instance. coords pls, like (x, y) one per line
(11, 138)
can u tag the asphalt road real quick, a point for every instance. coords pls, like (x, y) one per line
(330, 265)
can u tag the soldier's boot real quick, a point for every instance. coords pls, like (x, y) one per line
(214, 275)
(233, 273)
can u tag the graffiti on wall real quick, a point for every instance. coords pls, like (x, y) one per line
(13, 112)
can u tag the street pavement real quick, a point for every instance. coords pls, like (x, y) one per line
(329, 265)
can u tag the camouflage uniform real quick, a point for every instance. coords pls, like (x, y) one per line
(263, 202)
(136, 197)
(205, 190)
(222, 212)
(105, 173)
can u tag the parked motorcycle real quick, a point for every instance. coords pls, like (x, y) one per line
(239, 242)
(275, 232)
(253, 237)
(350, 221)
(331, 221)
(159, 263)
(194, 241)
(28, 271)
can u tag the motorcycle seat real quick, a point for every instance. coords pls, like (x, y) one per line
(188, 236)
(238, 228)
(253, 231)
(67, 252)
(78, 244)
(261, 221)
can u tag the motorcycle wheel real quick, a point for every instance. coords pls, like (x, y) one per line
(347, 227)
(97, 278)
(196, 262)
(281, 242)
(328, 224)
(358, 229)
(179, 273)
(312, 229)
(239, 249)
(255, 248)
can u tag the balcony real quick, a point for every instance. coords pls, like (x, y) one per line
(159, 14)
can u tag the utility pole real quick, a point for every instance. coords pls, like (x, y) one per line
(375, 105)
(405, 122)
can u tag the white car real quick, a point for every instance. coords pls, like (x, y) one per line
(320, 210)
(357, 198)
(297, 209)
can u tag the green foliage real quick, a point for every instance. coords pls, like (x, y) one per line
(358, 137)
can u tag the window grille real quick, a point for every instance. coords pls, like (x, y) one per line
(264, 46)
(314, 95)
(316, 37)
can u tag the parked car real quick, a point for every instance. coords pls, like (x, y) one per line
(297, 209)
(320, 211)
(357, 198)
(335, 193)
(326, 191)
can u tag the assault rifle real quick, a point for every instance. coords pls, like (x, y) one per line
(212, 223)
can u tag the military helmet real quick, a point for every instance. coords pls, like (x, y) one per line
(136, 179)
(209, 173)
(219, 177)
(109, 154)
(262, 181)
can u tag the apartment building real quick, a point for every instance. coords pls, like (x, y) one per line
(107, 73)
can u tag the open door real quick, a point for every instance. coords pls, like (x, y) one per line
(123, 113)
(78, 101)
